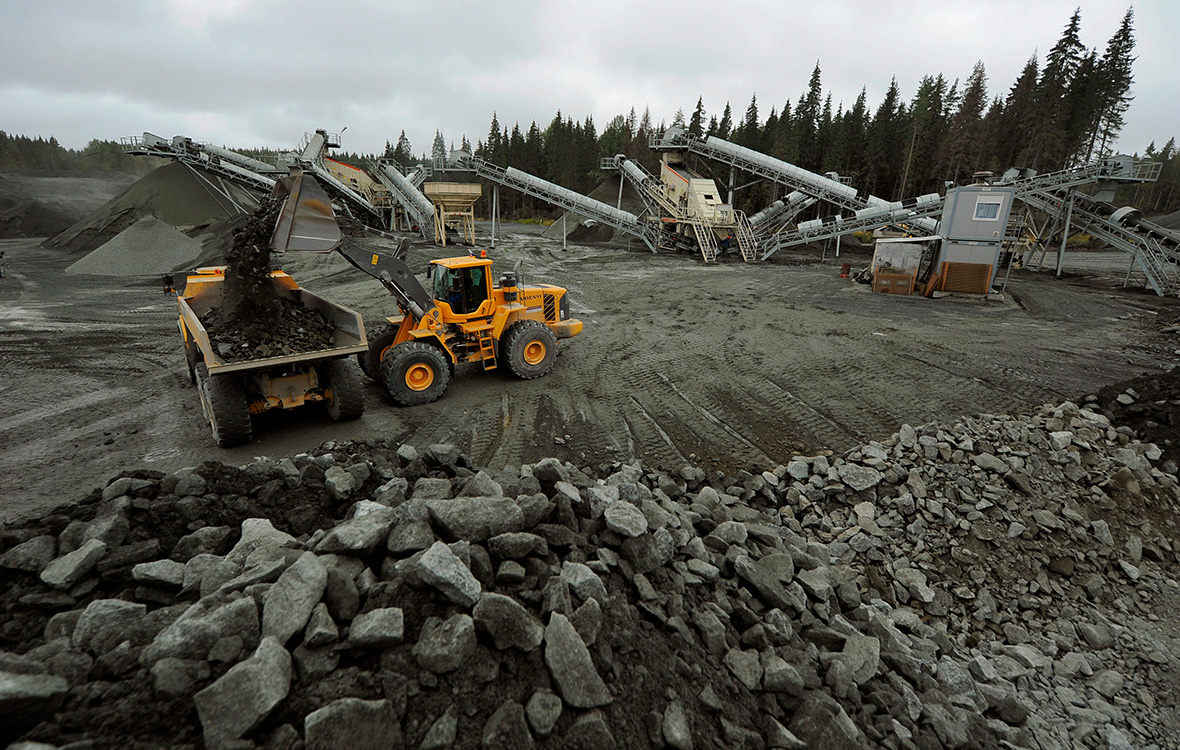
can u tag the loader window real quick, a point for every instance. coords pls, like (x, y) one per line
(464, 289)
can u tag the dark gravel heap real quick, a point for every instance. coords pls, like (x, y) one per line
(256, 321)
(987, 584)
(1149, 405)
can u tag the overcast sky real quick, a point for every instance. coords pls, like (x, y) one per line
(246, 73)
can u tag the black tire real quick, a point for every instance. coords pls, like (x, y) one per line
(530, 349)
(415, 373)
(379, 345)
(226, 407)
(344, 392)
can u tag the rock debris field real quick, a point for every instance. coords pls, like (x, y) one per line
(999, 582)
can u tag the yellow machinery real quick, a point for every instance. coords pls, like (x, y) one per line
(465, 317)
(454, 204)
(231, 392)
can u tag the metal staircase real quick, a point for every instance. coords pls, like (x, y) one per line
(706, 240)
(744, 235)
(1158, 264)
(622, 221)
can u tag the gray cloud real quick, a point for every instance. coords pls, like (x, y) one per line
(252, 73)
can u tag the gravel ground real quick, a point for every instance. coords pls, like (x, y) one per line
(731, 366)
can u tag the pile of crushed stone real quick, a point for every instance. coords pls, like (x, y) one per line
(1150, 405)
(1002, 582)
(43, 202)
(147, 247)
(185, 197)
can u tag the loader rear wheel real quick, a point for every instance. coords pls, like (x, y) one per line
(379, 345)
(344, 392)
(530, 348)
(415, 373)
(225, 407)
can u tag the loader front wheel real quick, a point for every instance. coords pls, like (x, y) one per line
(344, 393)
(415, 373)
(379, 345)
(531, 349)
(226, 407)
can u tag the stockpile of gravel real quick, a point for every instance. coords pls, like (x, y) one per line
(176, 194)
(1000, 582)
(147, 247)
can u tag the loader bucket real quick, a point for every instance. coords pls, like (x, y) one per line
(306, 222)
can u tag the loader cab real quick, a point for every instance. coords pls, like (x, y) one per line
(464, 284)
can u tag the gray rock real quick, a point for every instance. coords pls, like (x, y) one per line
(442, 733)
(441, 568)
(1115, 739)
(1102, 533)
(822, 723)
(543, 710)
(30, 556)
(162, 573)
(1098, 636)
(444, 645)
(177, 678)
(72, 567)
(482, 485)
(28, 699)
(677, 730)
(587, 620)
(105, 623)
(509, 623)
(515, 545)
(779, 737)
(409, 537)
(315, 662)
(506, 729)
(858, 477)
(549, 471)
(625, 519)
(339, 482)
(583, 581)
(393, 492)
(287, 604)
(779, 676)
(745, 666)
(950, 727)
(644, 552)
(570, 665)
(353, 724)
(475, 519)
(244, 696)
(359, 535)
(1108, 682)
(321, 628)
(769, 576)
(915, 582)
(589, 732)
(257, 533)
(378, 628)
(192, 634)
(988, 462)
(816, 582)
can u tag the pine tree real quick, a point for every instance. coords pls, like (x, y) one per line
(696, 122)
(725, 125)
(678, 118)
(963, 146)
(438, 150)
(1115, 72)
(1048, 148)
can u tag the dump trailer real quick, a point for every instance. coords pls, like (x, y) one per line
(231, 392)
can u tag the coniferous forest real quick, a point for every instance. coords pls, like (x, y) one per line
(1063, 110)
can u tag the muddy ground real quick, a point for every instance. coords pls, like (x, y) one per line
(736, 365)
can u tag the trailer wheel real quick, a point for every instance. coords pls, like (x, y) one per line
(530, 348)
(225, 407)
(379, 345)
(415, 373)
(344, 393)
